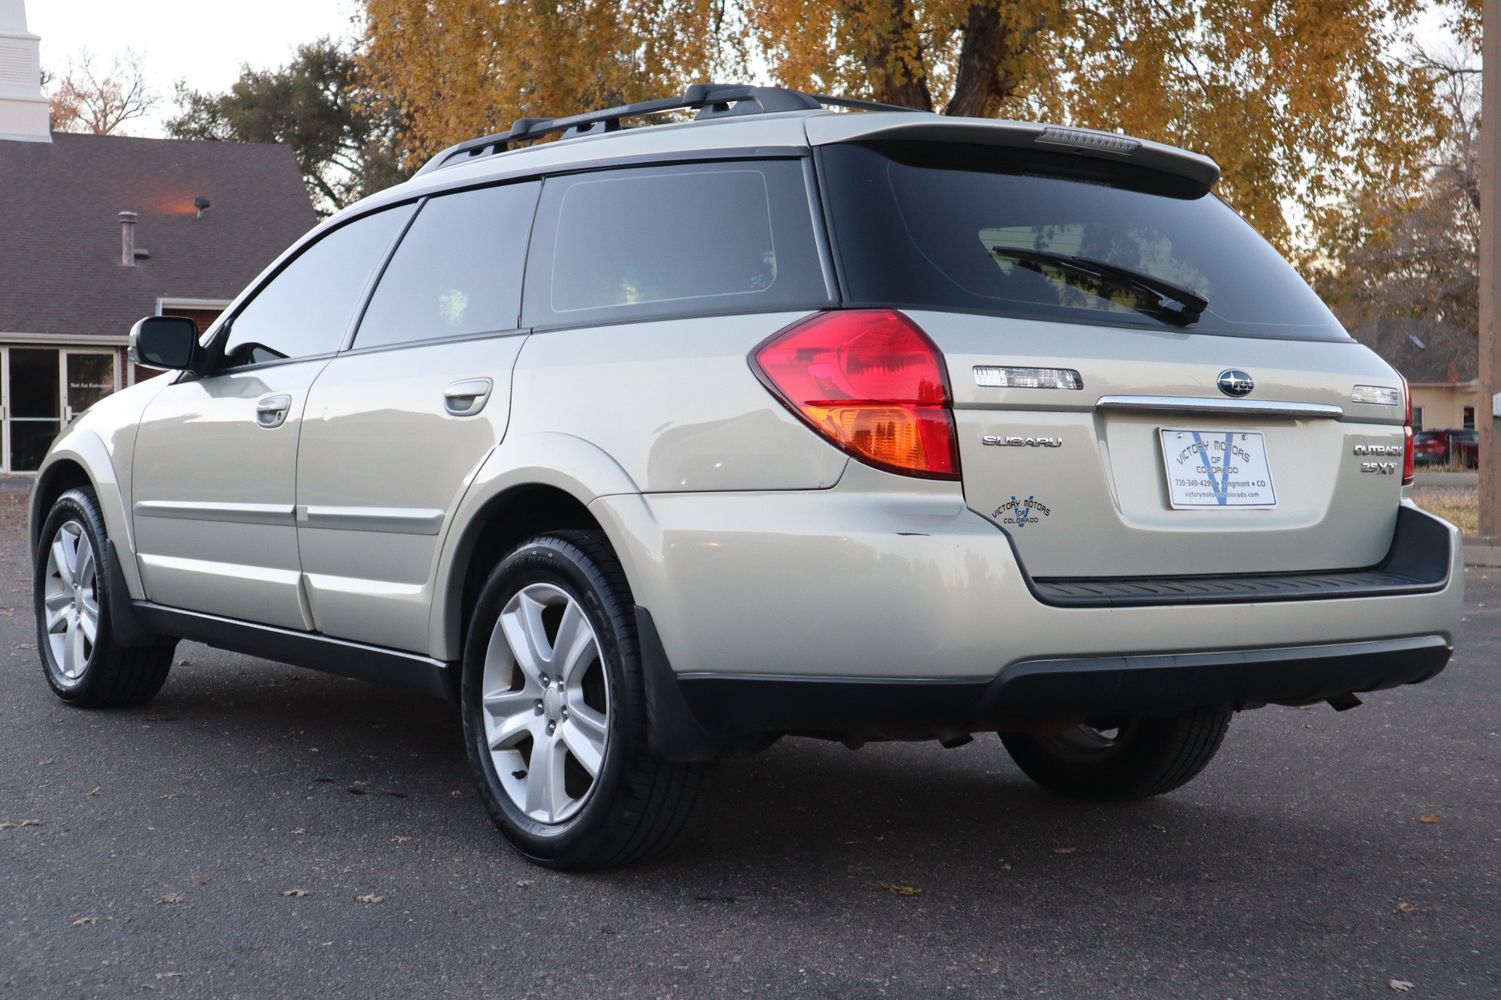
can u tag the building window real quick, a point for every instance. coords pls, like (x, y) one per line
(1417, 418)
(1469, 417)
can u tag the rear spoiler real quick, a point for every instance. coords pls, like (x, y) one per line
(1196, 168)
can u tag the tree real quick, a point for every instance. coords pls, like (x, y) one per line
(1299, 102)
(1295, 100)
(319, 105)
(1412, 252)
(455, 69)
(88, 100)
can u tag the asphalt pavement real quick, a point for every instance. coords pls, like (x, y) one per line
(261, 831)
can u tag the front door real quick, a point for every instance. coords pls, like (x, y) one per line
(34, 413)
(215, 466)
(44, 389)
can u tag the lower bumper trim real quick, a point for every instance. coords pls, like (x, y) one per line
(1049, 689)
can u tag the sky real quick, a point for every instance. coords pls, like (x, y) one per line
(203, 42)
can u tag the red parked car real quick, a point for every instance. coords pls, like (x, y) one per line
(1459, 448)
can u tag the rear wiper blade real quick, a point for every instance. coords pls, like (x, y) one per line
(1153, 293)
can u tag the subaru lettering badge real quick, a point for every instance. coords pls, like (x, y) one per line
(1234, 382)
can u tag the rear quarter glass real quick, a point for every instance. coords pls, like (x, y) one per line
(915, 225)
(627, 245)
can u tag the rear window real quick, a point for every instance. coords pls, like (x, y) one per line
(984, 229)
(680, 240)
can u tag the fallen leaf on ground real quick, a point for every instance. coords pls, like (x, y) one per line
(1431, 818)
(370, 899)
(94, 791)
(171, 899)
(900, 890)
(85, 921)
(1065, 850)
(299, 893)
(1400, 985)
(1405, 907)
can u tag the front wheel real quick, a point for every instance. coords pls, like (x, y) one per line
(80, 658)
(554, 711)
(1124, 759)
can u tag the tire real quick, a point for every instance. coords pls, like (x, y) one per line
(95, 673)
(1146, 756)
(591, 712)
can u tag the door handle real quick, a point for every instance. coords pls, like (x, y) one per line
(271, 411)
(467, 397)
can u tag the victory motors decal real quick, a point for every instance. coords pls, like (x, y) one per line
(1020, 513)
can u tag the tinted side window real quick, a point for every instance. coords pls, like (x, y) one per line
(305, 310)
(673, 241)
(458, 269)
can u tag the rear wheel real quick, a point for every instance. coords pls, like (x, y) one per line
(554, 711)
(80, 658)
(1122, 759)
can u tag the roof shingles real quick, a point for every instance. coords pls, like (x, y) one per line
(60, 270)
(1426, 352)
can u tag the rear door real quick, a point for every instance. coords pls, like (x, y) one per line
(1110, 421)
(396, 427)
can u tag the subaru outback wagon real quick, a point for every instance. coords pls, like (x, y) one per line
(654, 444)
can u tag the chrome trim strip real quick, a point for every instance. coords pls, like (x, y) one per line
(237, 513)
(393, 520)
(1206, 404)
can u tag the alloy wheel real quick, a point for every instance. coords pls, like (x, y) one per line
(70, 598)
(545, 694)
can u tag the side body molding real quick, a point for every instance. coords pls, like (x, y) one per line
(562, 461)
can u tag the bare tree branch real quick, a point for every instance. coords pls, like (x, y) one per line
(87, 99)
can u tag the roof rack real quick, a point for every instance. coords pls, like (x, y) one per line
(712, 100)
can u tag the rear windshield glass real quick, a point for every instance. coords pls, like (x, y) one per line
(948, 226)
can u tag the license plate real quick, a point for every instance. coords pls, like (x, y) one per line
(1217, 469)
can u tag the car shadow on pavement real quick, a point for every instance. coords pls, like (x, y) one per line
(890, 820)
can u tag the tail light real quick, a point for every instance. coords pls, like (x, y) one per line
(872, 383)
(1409, 448)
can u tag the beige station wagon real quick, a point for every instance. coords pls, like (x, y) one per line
(654, 444)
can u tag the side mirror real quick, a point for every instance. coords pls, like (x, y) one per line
(166, 342)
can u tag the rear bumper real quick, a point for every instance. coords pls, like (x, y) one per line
(886, 601)
(900, 581)
(1060, 689)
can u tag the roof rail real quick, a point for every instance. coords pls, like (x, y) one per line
(712, 100)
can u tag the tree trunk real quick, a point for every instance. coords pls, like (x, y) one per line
(979, 87)
(894, 83)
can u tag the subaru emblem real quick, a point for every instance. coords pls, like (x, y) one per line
(1234, 382)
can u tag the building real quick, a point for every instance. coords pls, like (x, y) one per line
(101, 230)
(1440, 363)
